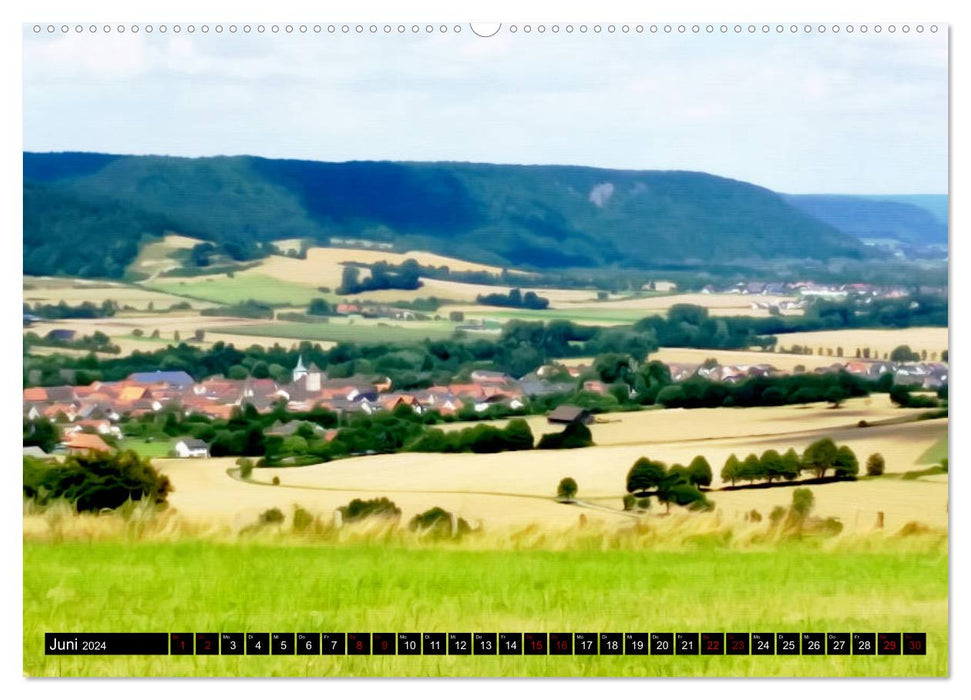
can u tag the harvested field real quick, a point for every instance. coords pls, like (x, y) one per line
(922, 338)
(516, 488)
(53, 290)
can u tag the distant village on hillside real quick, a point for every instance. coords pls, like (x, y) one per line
(86, 412)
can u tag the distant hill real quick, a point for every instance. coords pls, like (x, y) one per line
(936, 204)
(907, 219)
(536, 216)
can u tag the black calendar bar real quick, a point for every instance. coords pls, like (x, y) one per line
(107, 643)
(488, 643)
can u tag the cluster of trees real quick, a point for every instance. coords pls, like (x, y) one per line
(383, 276)
(675, 484)
(63, 310)
(821, 456)
(320, 307)
(515, 299)
(574, 435)
(96, 342)
(42, 433)
(902, 396)
(244, 309)
(91, 483)
(832, 387)
(359, 509)
(689, 325)
(480, 439)
(437, 523)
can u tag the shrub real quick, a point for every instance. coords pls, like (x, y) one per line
(94, 482)
(359, 509)
(573, 436)
(802, 503)
(875, 464)
(245, 467)
(273, 516)
(437, 522)
(302, 519)
(567, 489)
(276, 481)
(629, 502)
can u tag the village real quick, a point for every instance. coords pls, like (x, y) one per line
(87, 414)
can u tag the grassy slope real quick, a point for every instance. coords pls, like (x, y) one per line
(197, 586)
(935, 453)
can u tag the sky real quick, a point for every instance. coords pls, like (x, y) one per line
(816, 113)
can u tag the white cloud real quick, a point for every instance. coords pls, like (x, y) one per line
(795, 113)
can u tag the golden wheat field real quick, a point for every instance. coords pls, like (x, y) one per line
(52, 290)
(785, 361)
(717, 304)
(517, 488)
(120, 329)
(920, 338)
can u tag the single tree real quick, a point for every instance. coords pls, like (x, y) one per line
(567, 489)
(645, 474)
(699, 471)
(731, 468)
(845, 462)
(819, 456)
(875, 464)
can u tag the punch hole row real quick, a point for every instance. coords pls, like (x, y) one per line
(457, 29)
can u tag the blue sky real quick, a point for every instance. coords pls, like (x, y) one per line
(796, 113)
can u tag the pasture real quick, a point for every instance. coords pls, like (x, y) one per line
(242, 286)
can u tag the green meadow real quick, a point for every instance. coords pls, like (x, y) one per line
(362, 331)
(223, 289)
(307, 586)
(606, 316)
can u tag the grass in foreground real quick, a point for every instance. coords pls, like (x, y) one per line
(300, 584)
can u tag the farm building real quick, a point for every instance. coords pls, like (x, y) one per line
(85, 444)
(569, 414)
(172, 378)
(191, 447)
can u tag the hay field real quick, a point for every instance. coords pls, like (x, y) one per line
(157, 256)
(661, 426)
(717, 304)
(119, 328)
(931, 339)
(52, 290)
(780, 360)
(516, 488)
(319, 257)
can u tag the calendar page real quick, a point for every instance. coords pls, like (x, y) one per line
(458, 349)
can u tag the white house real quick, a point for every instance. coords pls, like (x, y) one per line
(191, 447)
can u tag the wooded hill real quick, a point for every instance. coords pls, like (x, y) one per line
(84, 213)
